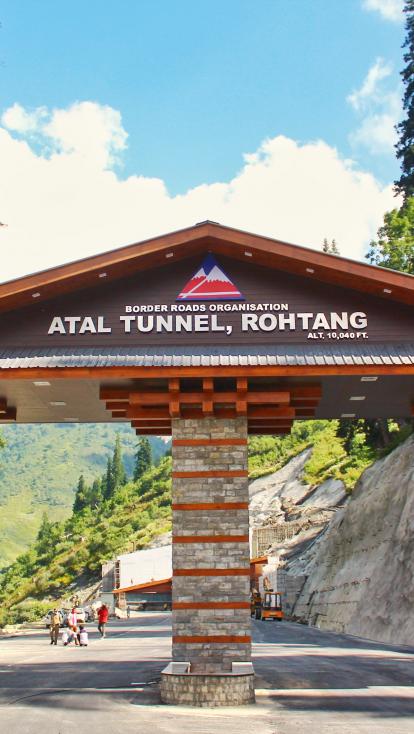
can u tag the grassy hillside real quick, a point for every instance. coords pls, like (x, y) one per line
(71, 552)
(39, 469)
(340, 449)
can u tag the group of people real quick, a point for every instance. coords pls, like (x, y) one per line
(75, 632)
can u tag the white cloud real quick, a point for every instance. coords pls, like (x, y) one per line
(62, 201)
(370, 88)
(18, 119)
(377, 104)
(388, 9)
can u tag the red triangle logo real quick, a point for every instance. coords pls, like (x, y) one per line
(210, 283)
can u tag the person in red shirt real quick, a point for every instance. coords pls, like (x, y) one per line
(103, 614)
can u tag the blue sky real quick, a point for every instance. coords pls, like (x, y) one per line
(198, 85)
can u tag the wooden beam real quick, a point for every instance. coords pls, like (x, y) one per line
(174, 393)
(208, 390)
(153, 431)
(271, 412)
(114, 394)
(134, 372)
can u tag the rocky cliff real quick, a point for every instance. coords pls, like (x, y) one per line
(360, 572)
(348, 564)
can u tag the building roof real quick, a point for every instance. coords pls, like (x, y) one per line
(276, 355)
(217, 238)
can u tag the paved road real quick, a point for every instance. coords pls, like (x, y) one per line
(307, 681)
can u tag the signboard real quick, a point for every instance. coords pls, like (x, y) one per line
(209, 301)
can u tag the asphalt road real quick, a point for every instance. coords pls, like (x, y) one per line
(307, 681)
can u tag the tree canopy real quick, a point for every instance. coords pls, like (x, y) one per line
(405, 144)
(394, 247)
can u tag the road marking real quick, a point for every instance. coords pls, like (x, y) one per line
(369, 691)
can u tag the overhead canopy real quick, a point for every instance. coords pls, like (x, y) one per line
(207, 321)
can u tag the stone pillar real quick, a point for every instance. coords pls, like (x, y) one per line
(211, 647)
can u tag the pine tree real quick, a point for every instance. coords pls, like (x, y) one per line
(330, 247)
(143, 458)
(405, 129)
(394, 246)
(96, 494)
(81, 495)
(118, 469)
(107, 483)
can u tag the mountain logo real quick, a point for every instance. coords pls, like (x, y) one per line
(210, 283)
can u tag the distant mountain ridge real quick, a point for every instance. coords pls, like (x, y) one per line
(39, 470)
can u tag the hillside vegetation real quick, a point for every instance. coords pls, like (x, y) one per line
(112, 514)
(110, 517)
(39, 470)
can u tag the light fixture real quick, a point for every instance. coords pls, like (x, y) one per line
(358, 397)
(42, 383)
(36, 295)
(102, 275)
(248, 254)
(169, 254)
(369, 378)
(57, 402)
(347, 415)
(71, 420)
(387, 290)
(310, 270)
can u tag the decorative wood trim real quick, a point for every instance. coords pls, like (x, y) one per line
(211, 605)
(186, 506)
(209, 442)
(211, 572)
(202, 639)
(208, 474)
(210, 539)
(28, 373)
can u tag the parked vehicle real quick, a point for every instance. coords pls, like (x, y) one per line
(267, 605)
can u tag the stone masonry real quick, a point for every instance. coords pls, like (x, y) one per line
(211, 615)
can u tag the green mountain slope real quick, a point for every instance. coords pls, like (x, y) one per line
(67, 554)
(39, 469)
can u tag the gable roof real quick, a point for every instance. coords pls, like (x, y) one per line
(235, 243)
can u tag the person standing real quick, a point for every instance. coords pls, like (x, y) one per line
(72, 618)
(103, 614)
(54, 627)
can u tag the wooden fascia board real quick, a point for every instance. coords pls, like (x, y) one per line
(232, 242)
(107, 373)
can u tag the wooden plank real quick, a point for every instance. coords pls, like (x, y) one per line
(271, 412)
(189, 507)
(153, 424)
(80, 373)
(114, 394)
(211, 605)
(208, 390)
(203, 639)
(209, 441)
(211, 571)
(306, 393)
(182, 539)
(153, 431)
(174, 395)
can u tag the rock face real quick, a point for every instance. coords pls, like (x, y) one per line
(360, 572)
